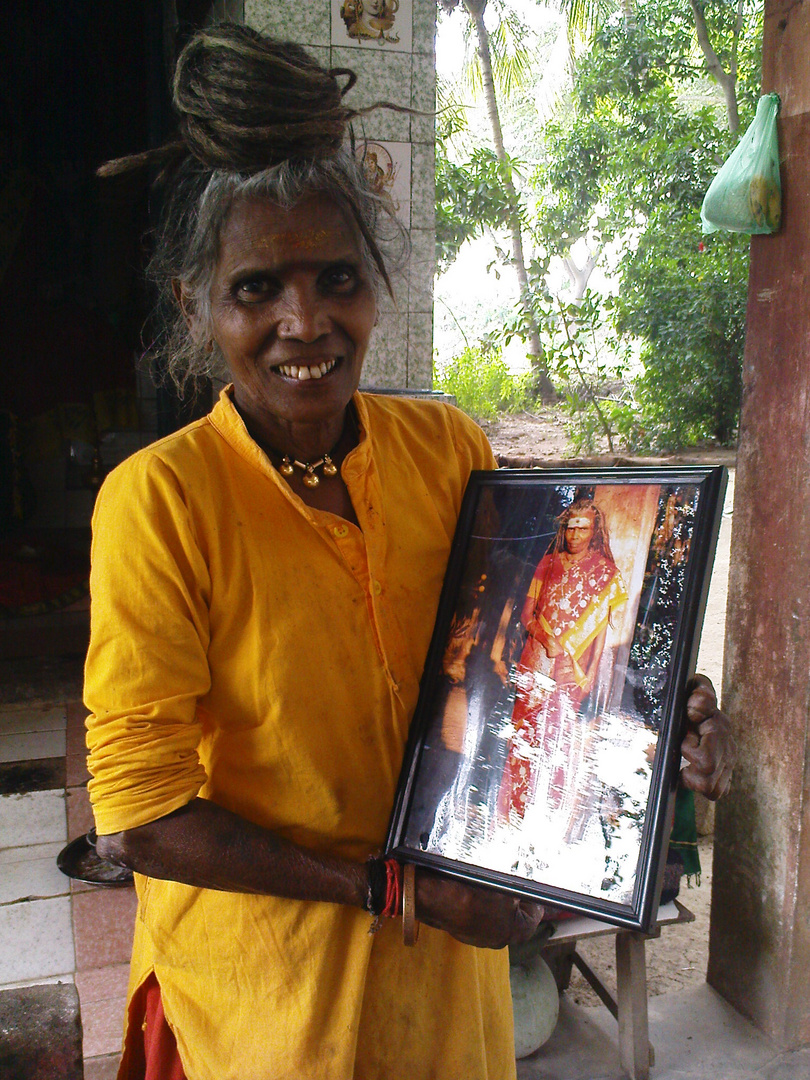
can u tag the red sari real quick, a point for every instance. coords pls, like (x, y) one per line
(573, 606)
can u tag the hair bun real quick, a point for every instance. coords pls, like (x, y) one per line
(247, 102)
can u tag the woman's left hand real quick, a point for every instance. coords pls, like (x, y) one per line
(708, 746)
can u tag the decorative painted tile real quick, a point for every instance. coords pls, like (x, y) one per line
(379, 78)
(290, 20)
(388, 167)
(373, 24)
(422, 270)
(423, 98)
(423, 186)
(420, 351)
(36, 941)
(37, 817)
(33, 718)
(31, 872)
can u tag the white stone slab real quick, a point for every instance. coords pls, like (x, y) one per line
(32, 745)
(36, 940)
(36, 817)
(31, 872)
(16, 721)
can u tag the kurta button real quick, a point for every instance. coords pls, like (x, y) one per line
(376, 587)
(341, 530)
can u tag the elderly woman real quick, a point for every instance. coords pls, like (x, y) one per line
(264, 587)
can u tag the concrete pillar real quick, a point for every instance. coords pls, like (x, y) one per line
(759, 956)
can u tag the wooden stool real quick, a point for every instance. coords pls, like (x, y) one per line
(635, 1051)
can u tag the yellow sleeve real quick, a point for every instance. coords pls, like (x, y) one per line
(147, 661)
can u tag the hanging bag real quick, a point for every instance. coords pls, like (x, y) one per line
(746, 195)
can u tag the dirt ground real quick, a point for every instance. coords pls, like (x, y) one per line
(679, 957)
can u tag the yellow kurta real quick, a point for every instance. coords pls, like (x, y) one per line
(252, 651)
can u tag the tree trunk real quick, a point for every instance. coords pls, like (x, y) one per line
(727, 79)
(475, 9)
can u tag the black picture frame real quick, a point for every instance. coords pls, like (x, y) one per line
(544, 753)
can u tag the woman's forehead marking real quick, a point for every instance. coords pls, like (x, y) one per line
(306, 239)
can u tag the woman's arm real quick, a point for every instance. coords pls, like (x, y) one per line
(208, 847)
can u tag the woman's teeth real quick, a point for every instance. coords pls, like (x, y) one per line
(296, 371)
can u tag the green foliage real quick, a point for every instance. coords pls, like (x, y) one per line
(469, 198)
(482, 384)
(688, 306)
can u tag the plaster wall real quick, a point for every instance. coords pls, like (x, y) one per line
(403, 72)
(760, 925)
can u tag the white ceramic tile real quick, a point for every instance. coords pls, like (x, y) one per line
(36, 941)
(14, 721)
(420, 351)
(386, 361)
(423, 98)
(423, 186)
(37, 817)
(371, 27)
(27, 745)
(290, 20)
(424, 27)
(379, 78)
(422, 270)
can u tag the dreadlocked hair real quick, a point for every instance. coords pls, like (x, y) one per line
(257, 118)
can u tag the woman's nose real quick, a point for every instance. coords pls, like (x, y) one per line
(302, 315)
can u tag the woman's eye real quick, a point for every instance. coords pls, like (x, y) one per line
(340, 278)
(252, 290)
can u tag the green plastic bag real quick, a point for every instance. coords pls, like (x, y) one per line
(746, 195)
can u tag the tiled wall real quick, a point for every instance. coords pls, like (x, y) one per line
(403, 72)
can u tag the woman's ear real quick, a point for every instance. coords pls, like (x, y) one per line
(184, 302)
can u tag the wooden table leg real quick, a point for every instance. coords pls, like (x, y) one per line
(631, 979)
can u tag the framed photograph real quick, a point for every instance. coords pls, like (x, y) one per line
(545, 749)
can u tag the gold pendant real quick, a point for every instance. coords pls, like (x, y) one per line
(329, 467)
(310, 479)
(286, 467)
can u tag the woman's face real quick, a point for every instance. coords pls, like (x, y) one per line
(292, 310)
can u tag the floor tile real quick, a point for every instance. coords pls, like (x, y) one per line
(79, 812)
(103, 996)
(38, 817)
(31, 872)
(76, 733)
(101, 1068)
(27, 745)
(76, 770)
(36, 940)
(33, 718)
(103, 922)
(44, 774)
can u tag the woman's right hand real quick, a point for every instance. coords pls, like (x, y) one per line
(474, 914)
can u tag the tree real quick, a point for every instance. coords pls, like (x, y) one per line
(631, 162)
(509, 211)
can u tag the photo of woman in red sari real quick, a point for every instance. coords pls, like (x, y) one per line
(574, 593)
